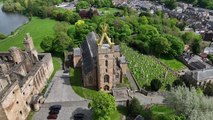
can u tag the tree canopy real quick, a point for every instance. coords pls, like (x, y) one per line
(103, 105)
(189, 102)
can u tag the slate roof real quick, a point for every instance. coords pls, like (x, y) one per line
(89, 52)
(76, 51)
(122, 60)
(117, 48)
(201, 75)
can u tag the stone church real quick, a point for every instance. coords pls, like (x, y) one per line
(23, 75)
(103, 66)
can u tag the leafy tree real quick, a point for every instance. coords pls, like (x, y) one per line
(190, 103)
(134, 108)
(177, 45)
(46, 43)
(160, 45)
(156, 84)
(189, 37)
(196, 46)
(62, 42)
(82, 5)
(171, 4)
(103, 105)
(71, 32)
(102, 3)
(144, 20)
(208, 89)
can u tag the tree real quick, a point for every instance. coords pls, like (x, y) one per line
(171, 4)
(46, 43)
(208, 89)
(82, 5)
(103, 105)
(190, 103)
(62, 42)
(156, 84)
(134, 108)
(144, 20)
(196, 46)
(160, 45)
(177, 45)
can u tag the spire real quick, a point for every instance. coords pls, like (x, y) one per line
(104, 36)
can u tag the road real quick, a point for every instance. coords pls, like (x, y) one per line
(62, 93)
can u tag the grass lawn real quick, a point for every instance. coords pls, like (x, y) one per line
(38, 29)
(109, 10)
(77, 85)
(173, 63)
(158, 110)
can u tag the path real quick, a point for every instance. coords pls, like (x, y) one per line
(132, 81)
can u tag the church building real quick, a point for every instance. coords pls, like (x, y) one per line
(102, 64)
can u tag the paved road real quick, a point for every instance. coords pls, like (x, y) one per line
(145, 100)
(62, 93)
(61, 89)
(132, 81)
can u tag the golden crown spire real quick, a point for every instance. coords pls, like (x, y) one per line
(104, 36)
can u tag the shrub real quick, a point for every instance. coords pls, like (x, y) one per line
(156, 84)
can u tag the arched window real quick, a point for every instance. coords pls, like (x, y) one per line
(106, 78)
(106, 88)
(106, 63)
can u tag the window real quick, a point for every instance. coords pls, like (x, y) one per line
(106, 63)
(23, 93)
(17, 102)
(106, 88)
(117, 75)
(13, 92)
(20, 112)
(106, 56)
(106, 78)
(106, 70)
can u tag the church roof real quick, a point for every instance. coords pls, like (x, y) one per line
(89, 52)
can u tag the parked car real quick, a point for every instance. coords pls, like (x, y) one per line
(52, 116)
(55, 107)
(54, 112)
(79, 116)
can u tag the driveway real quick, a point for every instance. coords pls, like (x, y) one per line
(61, 92)
(61, 89)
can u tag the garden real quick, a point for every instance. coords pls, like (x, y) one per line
(145, 68)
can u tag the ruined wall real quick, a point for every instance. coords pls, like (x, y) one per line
(13, 104)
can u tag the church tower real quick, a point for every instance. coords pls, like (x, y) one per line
(105, 61)
(29, 47)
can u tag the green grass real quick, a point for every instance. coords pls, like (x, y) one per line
(162, 109)
(109, 10)
(30, 116)
(173, 63)
(77, 85)
(38, 29)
